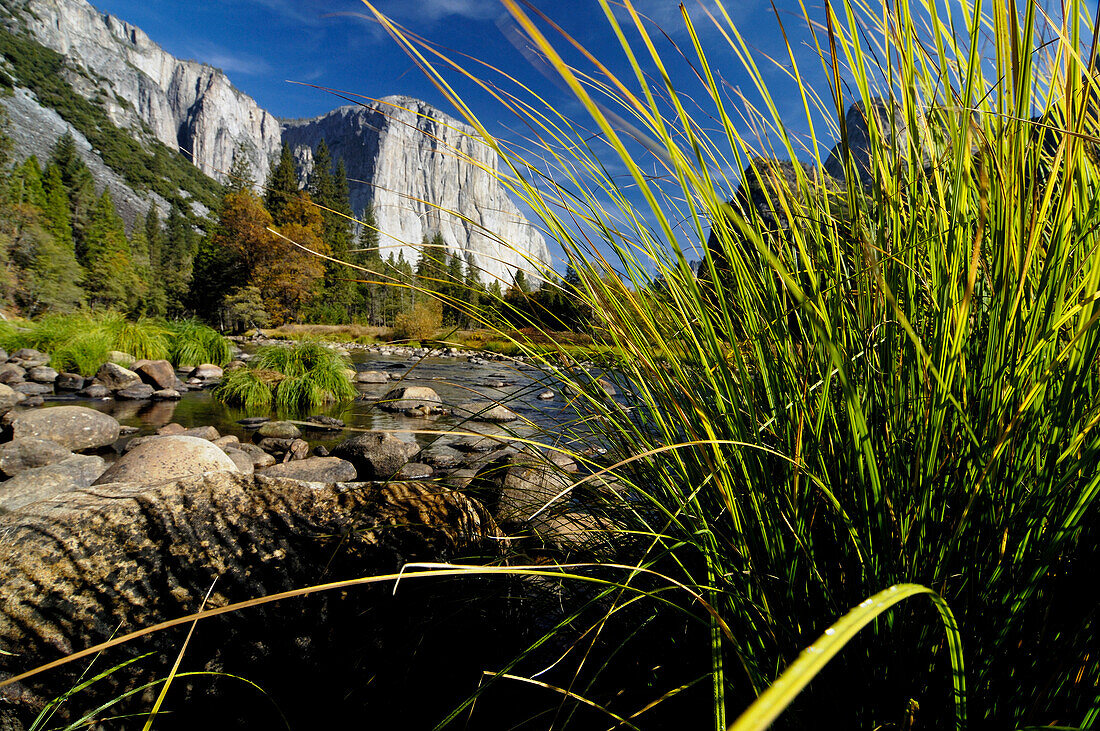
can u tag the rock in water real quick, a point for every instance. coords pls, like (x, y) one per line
(110, 559)
(394, 146)
(405, 398)
(376, 456)
(115, 377)
(73, 427)
(164, 458)
(23, 454)
(157, 373)
(315, 469)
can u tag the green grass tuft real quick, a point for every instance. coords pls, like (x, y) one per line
(309, 374)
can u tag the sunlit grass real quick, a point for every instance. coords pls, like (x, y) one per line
(292, 378)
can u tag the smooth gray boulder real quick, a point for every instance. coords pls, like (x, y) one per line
(30, 388)
(260, 458)
(165, 458)
(277, 430)
(69, 382)
(405, 398)
(488, 411)
(167, 394)
(115, 377)
(73, 427)
(371, 377)
(11, 373)
(315, 469)
(514, 487)
(96, 391)
(136, 392)
(20, 455)
(29, 357)
(206, 371)
(50, 483)
(160, 374)
(243, 459)
(376, 455)
(42, 374)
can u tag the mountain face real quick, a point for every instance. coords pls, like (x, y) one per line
(421, 170)
(183, 104)
(424, 172)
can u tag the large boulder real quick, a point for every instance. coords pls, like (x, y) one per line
(406, 398)
(519, 485)
(42, 374)
(111, 559)
(136, 392)
(157, 373)
(206, 371)
(11, 373)
(29, 357)
(23, 454)
(315, 469)
(73, 427)
(115, 377)
(376, 455)
(165, 458)
(8, 399)
(49, 483)
(277, 430)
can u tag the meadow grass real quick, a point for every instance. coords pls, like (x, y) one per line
(879, 383)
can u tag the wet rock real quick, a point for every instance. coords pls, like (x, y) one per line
(8, 399)
(487, 411)
(50, 482)
(376, 456)
(137, 392)
(27, 453)
(371, 377)
(95, 390)
(206, 371)
(411, 397)
(321, 451)
(517, 486)
(326, 423)
(208, 433)
(33, 389)
(260, 458)
(459, 479)
(476, 444)
(69, 382)
(441, 457)
(285, 450)
(494, 383)
(229, 440)
(315, 469)
(30, 402)
(252, 422)
(157, 373)
(73, 427)
(42, 374)
(115, 377)
(576, 534)
(413, 471)
(277, 430)
(29, 357)
(11, 373)
(167, 394)
(3, 355)
(170, 429)
(546, 395)
(243, 459)
(164, 458)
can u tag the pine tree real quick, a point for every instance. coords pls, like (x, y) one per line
(154, 236)
(58, 218)
(177, 260)
(80, 185)
(330, 192)
(226, 259)
(26, 185)
(111, 281)
(282, 185)
(239, 176)
(149, 299)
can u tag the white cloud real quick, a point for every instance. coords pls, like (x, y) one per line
(231, 63)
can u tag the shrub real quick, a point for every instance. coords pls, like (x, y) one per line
(420, 323)
(293, 378)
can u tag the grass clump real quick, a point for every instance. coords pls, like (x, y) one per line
(884, 375)
(193, 343)
(291, 378)
(81, 342)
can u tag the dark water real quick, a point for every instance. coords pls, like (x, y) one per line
(456, 381)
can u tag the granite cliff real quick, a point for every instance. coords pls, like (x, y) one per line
(424, 172)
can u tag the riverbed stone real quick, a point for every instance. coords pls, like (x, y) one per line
(69, 382)
(42, 374)
(376, 455)
(50, 482)
(115, 377)
(515, 487)
(206, 371)
(371, 377)
(260, 458)
(487, 411)
(315, 469)
(167, 394)
(11, 373)
(136, 392)
(74, 427)
(31, 388)
(546, 395)
(405, 398)
(229, 440)
(278, 430)
(157, 373)
(414, 471)
(475, 444)
(27, 453)
(94, 390)
(121, 358)
(323, 422)
(243, 460)
(29, 357)
(164, 458)
(208, 433)
(170, 429)
(8, 399)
